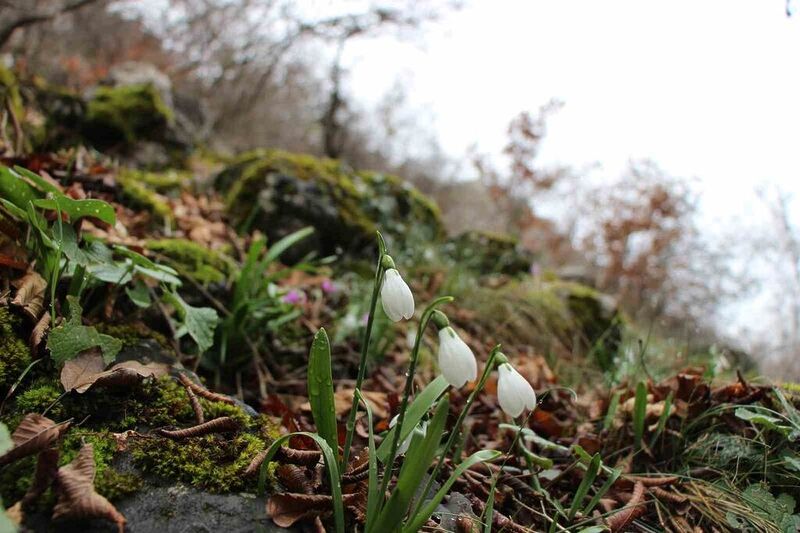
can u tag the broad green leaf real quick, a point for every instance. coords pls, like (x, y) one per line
(14, 211)
(16, 190)
(759, 418)
(418, 459)
(416, 522)
(320, 389)
(139, 295)
(6, 525)
(198, 322)
(330, 462)
(639, 413)
(593, 529)
(77, 209)
(421, 404)
(72, 337)
(146, 267)
(41, 183)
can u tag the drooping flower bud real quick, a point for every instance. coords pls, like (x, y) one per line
(514, 392)
(456, 360)
(396, 297)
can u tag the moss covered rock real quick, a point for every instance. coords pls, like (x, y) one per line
(489, 253)
(279, 192)
(118, 115)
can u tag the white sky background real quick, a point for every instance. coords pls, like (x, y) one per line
(707, 89)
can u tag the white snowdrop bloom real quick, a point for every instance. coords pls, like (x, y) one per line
(396, 297)
(514, 392)
(403, 446)
(456, 360)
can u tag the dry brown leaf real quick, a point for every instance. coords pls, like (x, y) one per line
(46, 470)
(86, 371)
(34, 434)
(343, 400)
(30, 294)
(76, 495)
(42, 326)
(287, 508)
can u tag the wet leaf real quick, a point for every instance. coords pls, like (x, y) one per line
(46, 470)
(77, 497)
(77, 209)
(87, 370)
(34, 434)
(30, 294)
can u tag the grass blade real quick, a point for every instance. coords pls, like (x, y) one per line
(639, 413)
(416, 522)
(320, 389)
(330, 463)
(586, 483)
(613, 405)
(662, 420)
(421, 404)
(275, 251)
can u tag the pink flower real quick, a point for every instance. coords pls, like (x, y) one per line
(328, 287)
(294, 297)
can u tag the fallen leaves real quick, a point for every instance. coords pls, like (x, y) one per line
(34, 434)
(88, 370)
(343, 400)
(77, 497)
(30, 294)
(289, 507)
(222, 424)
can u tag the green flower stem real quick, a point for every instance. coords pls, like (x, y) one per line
(412, 367)
(362, 364)
(451, 441)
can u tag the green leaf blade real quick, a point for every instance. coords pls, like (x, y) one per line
(320, 389)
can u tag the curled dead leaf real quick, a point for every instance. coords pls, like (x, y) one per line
(223, 424)
(46, 470)
(42, 326)
(30, 294)
(34, 434)
(634, 509)
(86, 371)
(77, 497)
(287, 508)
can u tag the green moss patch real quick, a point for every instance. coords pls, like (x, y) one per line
(193, 260)
(126, 114)
(15, 355)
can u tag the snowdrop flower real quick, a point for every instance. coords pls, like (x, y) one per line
(514, 392)
(456, 360)
(396, 297)
(403, 446)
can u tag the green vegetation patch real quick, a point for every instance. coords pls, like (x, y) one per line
(15, 355)
(126, 114)
(279, 192)
(190, 259)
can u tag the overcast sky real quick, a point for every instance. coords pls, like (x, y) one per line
(705, 88)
